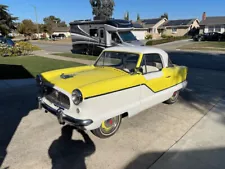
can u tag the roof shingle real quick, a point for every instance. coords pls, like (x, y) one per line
(178, 23)
(215, 20)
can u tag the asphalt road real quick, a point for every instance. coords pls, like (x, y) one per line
(30, 138)
(53, 47)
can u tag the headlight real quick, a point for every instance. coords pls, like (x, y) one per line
(77, 97)
(39, 80)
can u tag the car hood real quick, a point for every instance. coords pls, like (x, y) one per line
(75, 78)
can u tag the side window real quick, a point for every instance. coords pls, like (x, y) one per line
(101, 34)
(115, 38)
(151, 63)
(170, 64)
(94, 32)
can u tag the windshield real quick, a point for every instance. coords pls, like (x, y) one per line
(120, 60)
(127, 36)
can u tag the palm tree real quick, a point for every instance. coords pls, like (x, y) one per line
(6, 20)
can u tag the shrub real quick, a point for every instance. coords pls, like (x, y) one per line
(167, 36)
(148, 36)
(21, 48)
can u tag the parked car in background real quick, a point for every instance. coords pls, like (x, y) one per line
(6, 41)
(212, 36)
(124, 81)
(59, 36)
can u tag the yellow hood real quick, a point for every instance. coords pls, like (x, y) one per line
(75, 78)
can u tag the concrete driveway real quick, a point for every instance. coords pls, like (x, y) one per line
(30, 138)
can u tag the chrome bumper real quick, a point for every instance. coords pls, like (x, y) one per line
(62, 117)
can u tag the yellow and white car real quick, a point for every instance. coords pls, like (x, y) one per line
(123, 82)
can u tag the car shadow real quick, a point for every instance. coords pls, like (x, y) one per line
(67, 153)
(15, 105)
(206, 78)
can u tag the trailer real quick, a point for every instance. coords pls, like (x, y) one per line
(91, 37)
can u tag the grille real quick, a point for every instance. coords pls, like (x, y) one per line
(57, 98)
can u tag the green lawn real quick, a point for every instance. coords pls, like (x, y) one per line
(205, 46)
(29, 66)
(79, 56)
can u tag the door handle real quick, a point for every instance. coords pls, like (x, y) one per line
(168, 76)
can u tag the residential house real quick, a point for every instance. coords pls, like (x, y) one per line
(179, 27)
(62, 30)
(151, 26)
(212, 24)
(139, 31)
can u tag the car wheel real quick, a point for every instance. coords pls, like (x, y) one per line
(174, 98)
(108, 127)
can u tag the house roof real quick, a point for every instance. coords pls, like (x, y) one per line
(137, 25)
(215, 20)
(61, 29)
(150, 22)
(178, 23)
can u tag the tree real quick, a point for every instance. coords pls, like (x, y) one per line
(52, 22)
(165, 15)
(127, 16)
(138, 17)
(7, 21)
(62, 24)
(27, 27)
(42, 28)
(102, 9)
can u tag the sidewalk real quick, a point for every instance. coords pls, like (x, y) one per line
(46, 54)
(203, 147)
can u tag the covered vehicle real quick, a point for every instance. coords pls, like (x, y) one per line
(212, 36)
(123, 82)
(7, 41)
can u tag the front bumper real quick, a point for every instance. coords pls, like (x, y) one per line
(62, 117)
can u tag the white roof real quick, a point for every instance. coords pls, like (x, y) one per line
(142, 50)
(135, 49)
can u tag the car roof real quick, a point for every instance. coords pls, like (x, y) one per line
(135, 49)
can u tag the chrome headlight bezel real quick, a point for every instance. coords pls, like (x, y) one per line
(77, 97)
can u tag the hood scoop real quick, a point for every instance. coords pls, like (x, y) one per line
(63, 76)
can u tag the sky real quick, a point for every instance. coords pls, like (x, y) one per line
(70, 10)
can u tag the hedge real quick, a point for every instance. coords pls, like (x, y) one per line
(166, 40)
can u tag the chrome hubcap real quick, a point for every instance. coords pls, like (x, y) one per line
(110, 125)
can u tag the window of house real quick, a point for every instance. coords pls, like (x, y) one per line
(174, 30)
(217, 28)
(94, 32)
(211, 28)
(151, 63)
(101, 34)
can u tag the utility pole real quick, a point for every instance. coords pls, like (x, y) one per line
(35, 12)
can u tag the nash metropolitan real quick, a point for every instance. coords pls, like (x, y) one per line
(123, 82)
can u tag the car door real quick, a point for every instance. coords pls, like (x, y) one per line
(156, 80)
